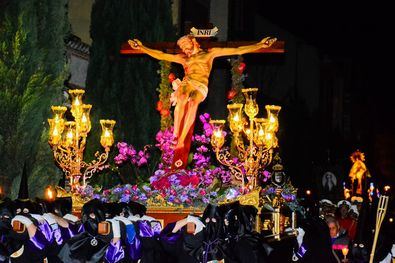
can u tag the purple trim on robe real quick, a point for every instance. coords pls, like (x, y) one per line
(37, 242)
(114, 252)
(145, 229)
(58, 236)
(168, 236)
(76, 229)
(66, 233)
(134, 249)
(46, 230)
(156, 227)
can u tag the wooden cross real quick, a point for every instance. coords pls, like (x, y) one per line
(172, 48)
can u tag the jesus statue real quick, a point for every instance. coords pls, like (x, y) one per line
(192, 90)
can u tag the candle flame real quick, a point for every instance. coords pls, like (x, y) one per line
(84, 119)
(49, 194)
(218, 133)
(76, 102)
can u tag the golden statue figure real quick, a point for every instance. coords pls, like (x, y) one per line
(192, 90)
(358, 172)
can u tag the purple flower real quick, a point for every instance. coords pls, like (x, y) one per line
(183, 198)
(214, 194)
(202, 149)
(119, 159)
(147, 188)
(125, 198)
(131, 151)
(142, 161)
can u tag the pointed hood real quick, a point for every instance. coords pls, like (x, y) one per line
(23, 188)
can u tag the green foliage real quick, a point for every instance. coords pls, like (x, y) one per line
(237, 80)
(165, 92)
(32, 70)
(124, 87)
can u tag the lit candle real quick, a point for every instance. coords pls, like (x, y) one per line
(49, 194)
(345, 252)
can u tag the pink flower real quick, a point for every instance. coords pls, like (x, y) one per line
(202, 192)
(131, 151)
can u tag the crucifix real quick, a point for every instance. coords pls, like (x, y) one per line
(197, 62)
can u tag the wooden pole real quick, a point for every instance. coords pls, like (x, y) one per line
(381, 210)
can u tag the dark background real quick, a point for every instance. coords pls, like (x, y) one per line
(333, 82)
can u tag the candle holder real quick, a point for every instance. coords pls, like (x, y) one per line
(68, 141)
(253, 139)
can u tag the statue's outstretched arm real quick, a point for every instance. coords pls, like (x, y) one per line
(264, 43)
(136, 44)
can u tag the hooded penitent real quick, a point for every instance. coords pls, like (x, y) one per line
(88, 246)
(208, 244)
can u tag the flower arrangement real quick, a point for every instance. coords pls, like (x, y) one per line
(201, 183)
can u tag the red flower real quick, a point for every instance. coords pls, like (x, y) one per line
(202, 192)
(161, 184)
(164, 113)
(159, 106)
(241, 67)
(171, 77)
(194, 180)
(184, 180)
(127, 192)
(231, 94)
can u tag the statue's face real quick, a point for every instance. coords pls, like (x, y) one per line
(278, 177)
(187, 46)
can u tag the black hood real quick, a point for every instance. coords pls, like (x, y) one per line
(92, 215)
(137, 208)
(25, 206)
(62, 206)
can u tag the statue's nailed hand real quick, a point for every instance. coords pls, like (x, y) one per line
(135, 43)
(267, 42)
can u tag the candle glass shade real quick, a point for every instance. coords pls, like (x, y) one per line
(85, 123)
(272, 116)
(107, 136)
(55, 132)
(56, 124)
(58, 112)
(260, 132)
(76, 102)
(69, 135)
(251, 108)
(235, 117)
(217, 138)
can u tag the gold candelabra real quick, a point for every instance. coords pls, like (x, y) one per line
(68, 140)
(253, 140)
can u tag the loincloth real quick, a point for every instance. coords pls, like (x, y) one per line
(189, 86)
